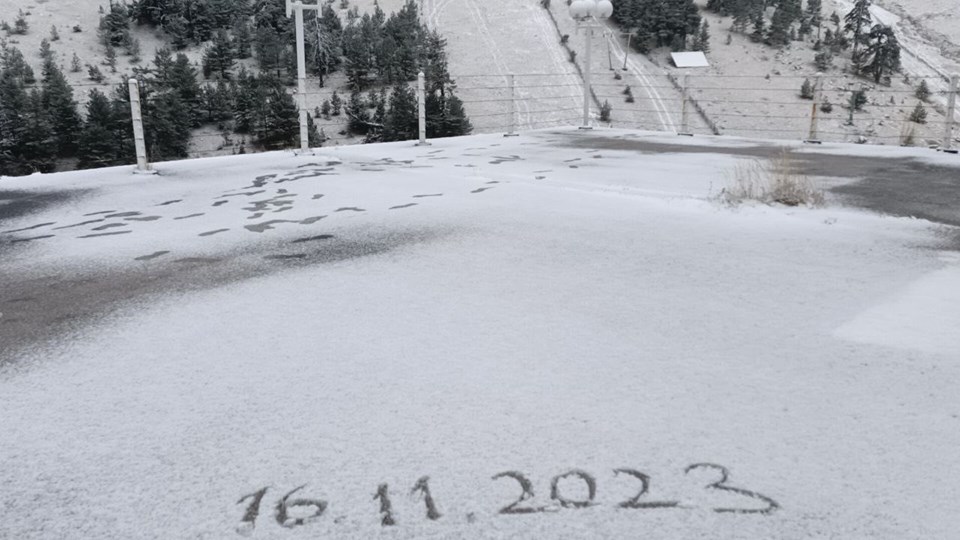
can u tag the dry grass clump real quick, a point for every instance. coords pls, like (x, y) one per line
(775, 180)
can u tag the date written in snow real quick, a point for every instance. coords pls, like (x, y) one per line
(291, 511)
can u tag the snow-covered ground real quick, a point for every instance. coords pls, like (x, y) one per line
(537, 305)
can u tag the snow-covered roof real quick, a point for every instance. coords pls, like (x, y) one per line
(689, 59)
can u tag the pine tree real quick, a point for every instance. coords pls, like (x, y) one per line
(702, 41)
(806, 89)
(217, 101)
(278, 121)
(114, 30)
(779, 33)
(168, 131)
(54, 35)
(400, 123)
(923, 91)
(181, 78)
(325, 109)
(856, 21)
(919, 114)
(45, 52)
(455, 121)
(823, 60)
(759, 30)
(37, 143)
(245, 101)
(94, 74)
(57, 100)
(605, 110)
(178, 30)
(96, 145)
(75, 65)
(815, 14)
(242, 38)
(358, 119)
(133, 49)
(13, 100)
(336, 103)
(218, 58)
(111, 59)
(270, 51)
(314, 138)
(883, 54)
(20, 25)
(858, 98)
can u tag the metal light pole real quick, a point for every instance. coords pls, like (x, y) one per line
(301, 69)
(588, 14)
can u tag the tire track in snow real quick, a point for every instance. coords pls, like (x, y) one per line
(523, 118)
(548, 29)
(663, 113)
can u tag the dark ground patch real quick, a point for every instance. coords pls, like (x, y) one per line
(41, 308)
(15, 203)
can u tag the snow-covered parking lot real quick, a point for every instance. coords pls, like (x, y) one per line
(488, 337)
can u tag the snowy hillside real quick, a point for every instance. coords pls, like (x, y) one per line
(751, 89)
(556, 335)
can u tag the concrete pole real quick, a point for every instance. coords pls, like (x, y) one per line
(814, 135)
(302, 82)
(951, 115)
(586, 78)
(684, 115)
(421, 110)
(626, 52)
(142, 165)
(512, 83)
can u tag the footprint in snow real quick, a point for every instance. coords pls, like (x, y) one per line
(151, 256)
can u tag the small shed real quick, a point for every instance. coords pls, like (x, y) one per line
(689, 59)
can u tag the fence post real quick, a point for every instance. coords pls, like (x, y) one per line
(421, 111)
(684, 113)
(143, 167)
(301, 84)
(951, 116)
(586, 77)
(814, 136)
(512, 83)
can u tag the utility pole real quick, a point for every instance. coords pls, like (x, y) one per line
(951, 114)
(301, 69)
(588, 13)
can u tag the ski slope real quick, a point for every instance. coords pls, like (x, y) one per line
(553, 335)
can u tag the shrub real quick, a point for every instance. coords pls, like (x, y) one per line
(826, 106)
(823, 61)
(923, 91)
(858, 99)
(907, 133)
(919, 114)
(771, 181)
(605, 111)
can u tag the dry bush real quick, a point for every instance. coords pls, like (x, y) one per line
(775, 180)
(907, 134)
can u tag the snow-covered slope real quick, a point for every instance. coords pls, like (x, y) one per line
(484, 312)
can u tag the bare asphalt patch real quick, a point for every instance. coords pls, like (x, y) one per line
(905, 187)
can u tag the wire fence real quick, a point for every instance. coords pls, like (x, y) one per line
(816, 108)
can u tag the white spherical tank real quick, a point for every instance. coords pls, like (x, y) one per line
(580, 8)
(604, 9)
